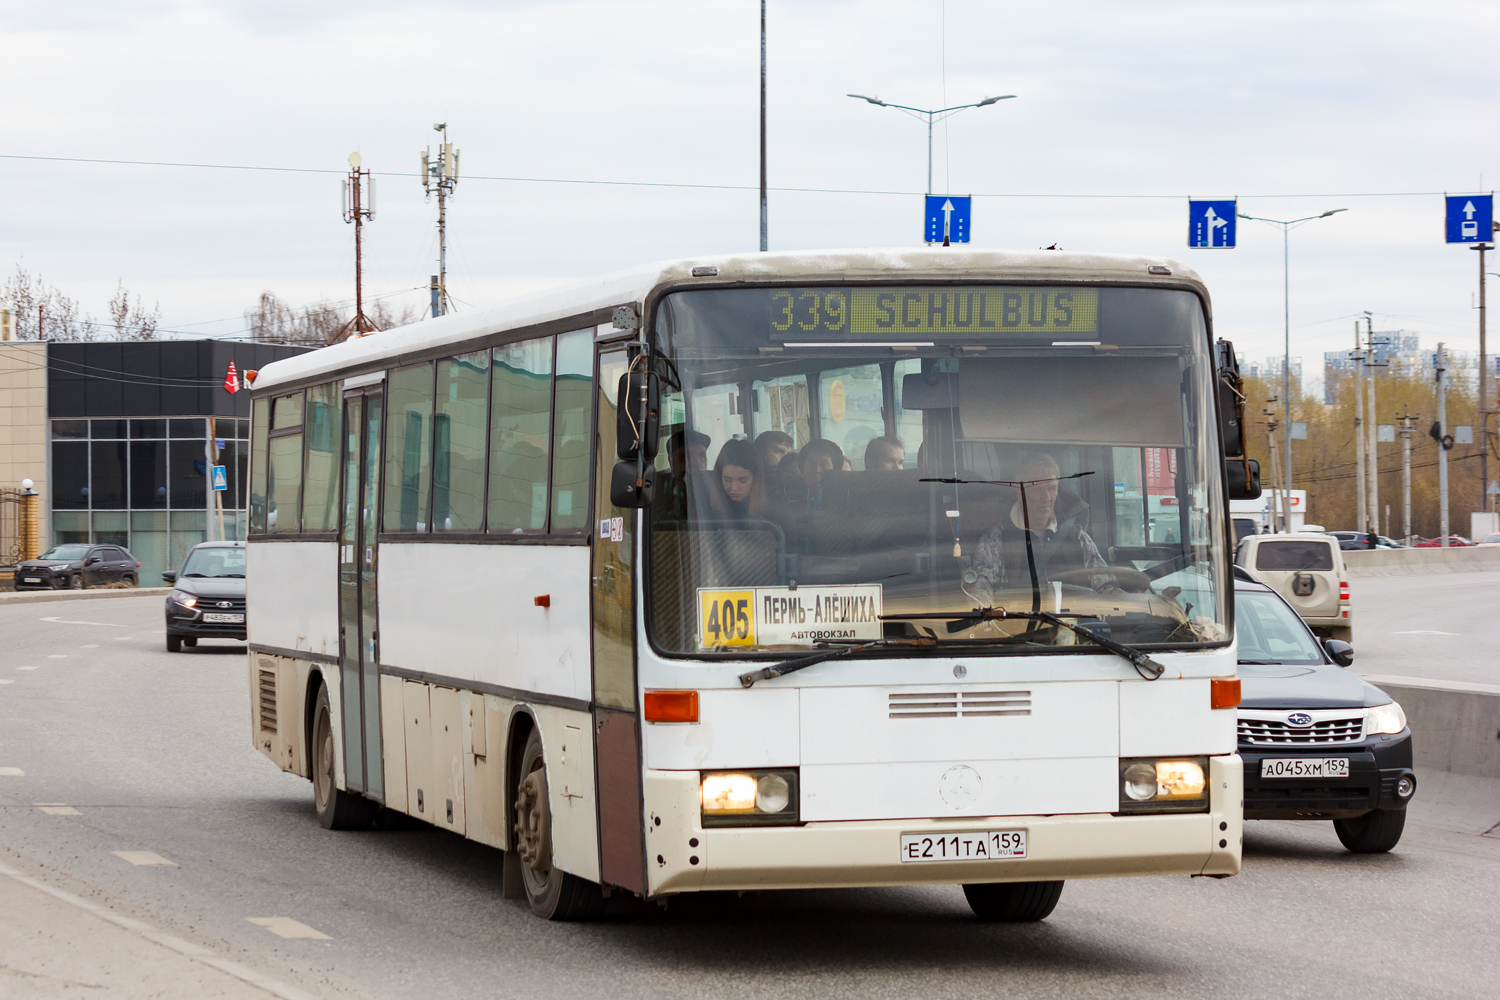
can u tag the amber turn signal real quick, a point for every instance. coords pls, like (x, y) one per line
(671, 706)
(1224, 692)
(542, 600)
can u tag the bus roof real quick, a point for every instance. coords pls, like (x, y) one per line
(634, 286)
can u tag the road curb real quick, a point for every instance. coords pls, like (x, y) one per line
(41, 596)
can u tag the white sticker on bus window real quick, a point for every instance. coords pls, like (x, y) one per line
(617, 529)
(781, 616)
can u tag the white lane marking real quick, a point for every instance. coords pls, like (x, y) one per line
(57, 809)
(144, 858)
(177, 944)
(12, 772)
(7, 680)
(26, 668)
(57, 656)
(286, 927)
(1424, 631)
(69, 621)
(92, 645)
(123, 638)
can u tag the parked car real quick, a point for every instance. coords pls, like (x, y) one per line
(76, 565)
(208, 595)
(1244, 527)
(1493, 538)
(1308, 571)
(1454, 542)
(1318, 742)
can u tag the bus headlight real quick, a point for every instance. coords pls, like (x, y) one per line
(749, 798)
(1176, 784)
(1389, 719)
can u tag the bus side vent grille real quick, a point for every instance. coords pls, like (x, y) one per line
(268, 701)
(953, 704)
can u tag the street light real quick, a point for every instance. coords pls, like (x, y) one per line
(1286, 367)
(933, 116)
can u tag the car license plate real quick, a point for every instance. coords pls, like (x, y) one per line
(217, 618)
(31, 579)
(972, 845)
(1304, 767)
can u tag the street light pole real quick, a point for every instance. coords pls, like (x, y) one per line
(764, 236)
(933, 116)
(1286, 368)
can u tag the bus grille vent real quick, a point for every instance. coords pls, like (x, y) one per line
(268, 701)
(955, 704)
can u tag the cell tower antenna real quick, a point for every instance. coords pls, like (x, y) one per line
(358, 208)
(440, 177)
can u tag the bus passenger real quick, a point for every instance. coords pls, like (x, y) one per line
(885, 454)
(740, 478)
(687, 454)
(817, 457)
(773, 446)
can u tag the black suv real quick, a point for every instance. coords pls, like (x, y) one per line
(76, 565)
(1318, 742)
(208, 595)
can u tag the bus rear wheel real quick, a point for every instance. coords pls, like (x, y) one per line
(1013, 902)
(553, 894)
(337, 809)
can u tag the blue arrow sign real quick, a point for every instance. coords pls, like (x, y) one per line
(220, 479)
(1211, 224)
(1470, 218)
(947, 219)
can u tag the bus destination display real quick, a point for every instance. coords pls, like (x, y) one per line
(953, 311)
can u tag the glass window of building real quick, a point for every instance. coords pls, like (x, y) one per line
(520, 436)
(571, 431)
(408, 468)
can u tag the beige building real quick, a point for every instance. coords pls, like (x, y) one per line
(23, 418)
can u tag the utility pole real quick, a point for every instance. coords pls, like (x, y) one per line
(1278, 502)
(1484, 396)
(1442, 408)
(356, 211)
(1372, 425)
(764, 233)
(440, 175)
(1406, 430)
(1360, 495)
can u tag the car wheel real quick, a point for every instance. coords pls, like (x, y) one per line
(130, 581)
(1013, 902)
(337, 809)
(174, 643)
(552, 892)
(75, 582)
(190, 642)
(1375, 832)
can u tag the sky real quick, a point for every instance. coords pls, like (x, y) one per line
(1122, 112)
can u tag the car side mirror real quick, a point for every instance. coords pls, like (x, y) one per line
(1341, 651)
(92, 560)
(169, 576)
(632, 484)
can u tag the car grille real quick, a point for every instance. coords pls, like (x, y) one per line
(1269, 733)
(953, 704)
(236, 605)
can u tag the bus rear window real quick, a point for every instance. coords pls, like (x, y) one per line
(1290, 556)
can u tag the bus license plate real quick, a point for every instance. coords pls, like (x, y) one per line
(973, 845)
(1304, 767)
(215, 618)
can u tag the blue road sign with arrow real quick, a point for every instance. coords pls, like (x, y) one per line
(947, 219)
(1470, 218)
(1211, 224)
(220, 480)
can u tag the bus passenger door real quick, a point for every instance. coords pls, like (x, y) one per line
(616, 723)
(358, 619)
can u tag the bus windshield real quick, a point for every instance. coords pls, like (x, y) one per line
(837, 457)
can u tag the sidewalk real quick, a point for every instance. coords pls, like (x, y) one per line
(38, 596)
(54, 944)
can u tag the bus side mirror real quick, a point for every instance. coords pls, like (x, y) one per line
(631, 486)
(1244, 478)
(637, 416)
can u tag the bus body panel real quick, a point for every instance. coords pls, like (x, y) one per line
(1171, 717)
(292, 597)
(735, 728)
(278, 710)
(469, 613)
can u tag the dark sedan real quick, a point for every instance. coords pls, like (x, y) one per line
(1318, 741)
(208, 596)
(76, 565)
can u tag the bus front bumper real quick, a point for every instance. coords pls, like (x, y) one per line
(681, 856)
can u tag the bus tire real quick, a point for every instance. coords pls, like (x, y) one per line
(337, 809)
(1013, 902)
(553, 893)
(1376, 832)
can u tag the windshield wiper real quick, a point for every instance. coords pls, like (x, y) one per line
(1144, 665)
(812, 659)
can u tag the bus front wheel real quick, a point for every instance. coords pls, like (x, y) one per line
(1013, 902)
(553, 893)
(337, 809)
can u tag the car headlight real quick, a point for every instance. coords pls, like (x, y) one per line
(1384, 719)
(749, 798)
(1164, 785)
(184, 598)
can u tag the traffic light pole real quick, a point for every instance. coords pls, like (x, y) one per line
(1484, 394)
(1442, 408)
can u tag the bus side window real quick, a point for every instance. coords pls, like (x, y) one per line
(458, 457)
(520, 436)
(571, 431)
(408, 444)
(259, 433)
(321, 440)
(284, 466)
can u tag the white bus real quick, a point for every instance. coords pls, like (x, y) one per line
(787, 620)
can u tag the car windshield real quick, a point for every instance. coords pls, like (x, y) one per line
(835, 454)
(215, 562)
(68, 552)
(1271, 632)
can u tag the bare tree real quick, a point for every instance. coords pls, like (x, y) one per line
(324, 322)
(42, 311)
(133, 322)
